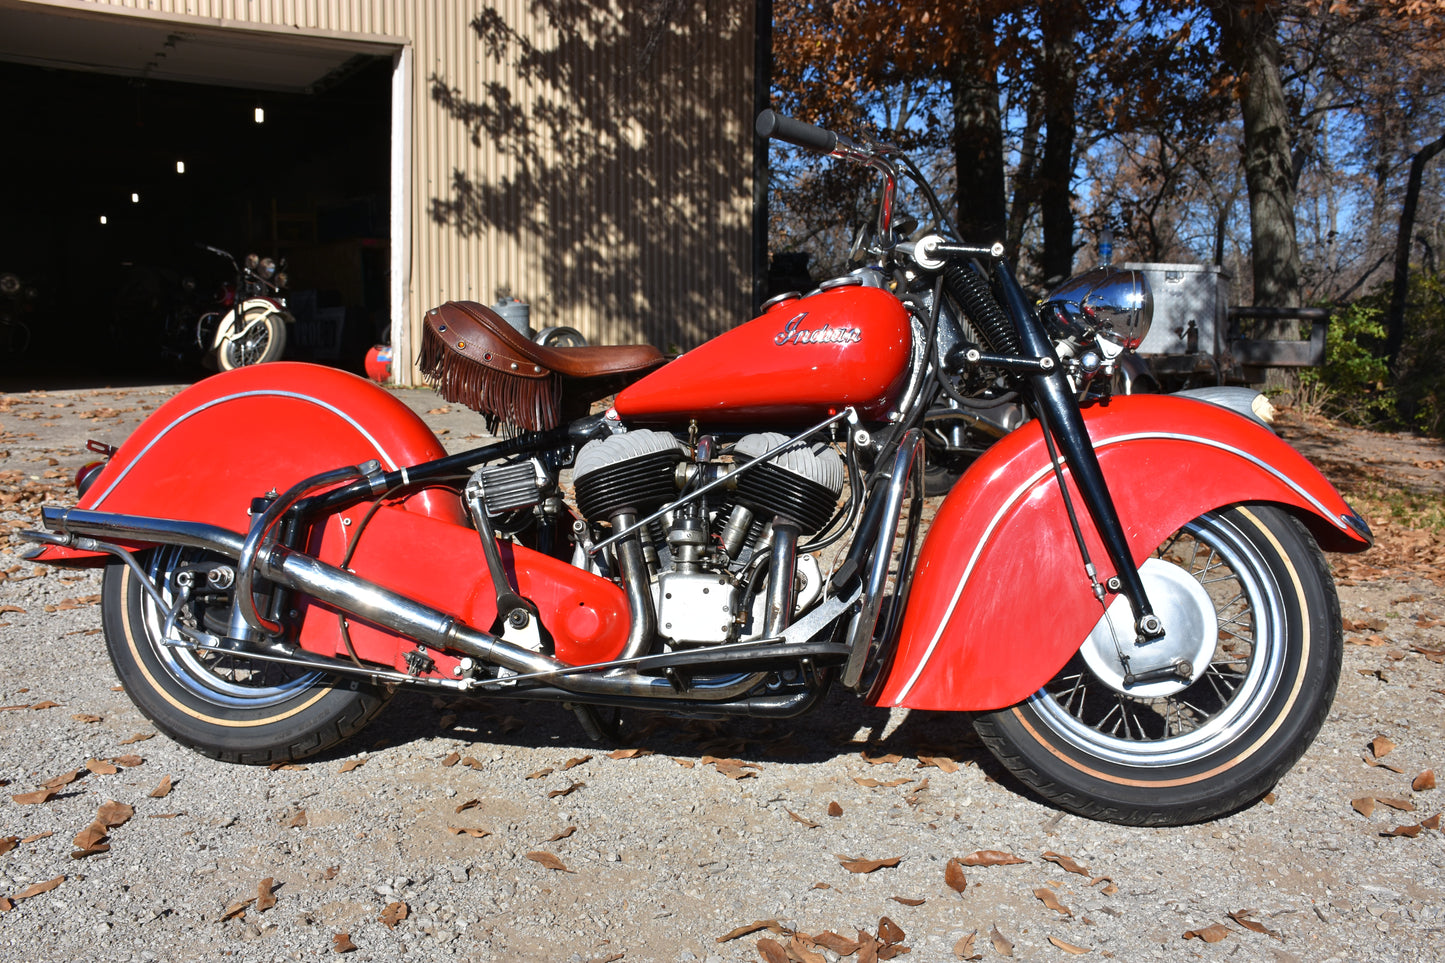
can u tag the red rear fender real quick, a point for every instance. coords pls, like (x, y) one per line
(206, 453)
(1000, 599)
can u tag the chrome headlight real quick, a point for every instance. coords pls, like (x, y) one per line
(1106, 302)
(9, 284)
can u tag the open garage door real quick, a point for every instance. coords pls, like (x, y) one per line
(132, 139)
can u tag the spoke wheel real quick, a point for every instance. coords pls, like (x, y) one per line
(221, 703)
(1256, 641)
(264, 341)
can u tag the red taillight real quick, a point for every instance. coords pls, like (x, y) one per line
(87, 475)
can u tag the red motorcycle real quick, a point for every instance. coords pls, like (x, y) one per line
(1127, 592)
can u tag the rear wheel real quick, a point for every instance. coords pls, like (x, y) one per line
(1255, 621)
(224, 705)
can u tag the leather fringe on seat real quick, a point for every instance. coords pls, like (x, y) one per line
(508, 401)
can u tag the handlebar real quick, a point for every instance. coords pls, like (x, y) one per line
(796, 132)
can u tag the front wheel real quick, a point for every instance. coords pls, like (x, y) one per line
(264, 340)
(1253, 626)
(224, 705)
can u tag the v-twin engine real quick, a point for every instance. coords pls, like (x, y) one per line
(710, 559)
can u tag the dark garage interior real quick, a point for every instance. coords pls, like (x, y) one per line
(111, 181)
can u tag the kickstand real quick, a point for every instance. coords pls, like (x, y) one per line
(597, 728)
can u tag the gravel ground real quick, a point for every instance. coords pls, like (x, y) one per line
(580, 853)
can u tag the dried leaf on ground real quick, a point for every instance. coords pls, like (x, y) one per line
(8, 843)
(237, 909)
(64, 779)
(1365, 805)
(35, 889)
(890, 932)
(101, 768)
(629, 753)
(114, 814)
(130, 761)
(800, 819)
(772, 951)
(937, 762)
(887, 760)
(1403, 805)
(1048, 898)
(298, 820)
(954, 877)
(1409, 832)
(1424, 781)
(1381, 746)
(963, 949)
(1066, 863)
(472, 831)
(834, 809)
(1001, 943)
(800, 950)
(30, 839)
(469, 804)
(574, 762)
(341, 943)
(563, 834)
(1209, 934)
(540, 773)
(1068, 947)
(265, 899)
(549, 860)
(452, 759)
(855, 864)
(753, 927)
(394, 914)
(908, 902)
(87, 717)
(90, 836)
(566, 792)
(992, 857)
(472, 762)
(36, 797)
(836, 942)
(874, 783)
(352, 765)
(163, 790)
(1244, 918)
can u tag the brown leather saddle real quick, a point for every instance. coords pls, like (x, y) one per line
(475, 358)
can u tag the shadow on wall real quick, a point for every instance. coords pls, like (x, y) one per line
(631, 150)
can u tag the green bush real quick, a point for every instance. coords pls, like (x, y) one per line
(1355, 379)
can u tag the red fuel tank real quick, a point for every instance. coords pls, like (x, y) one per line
(803, 359)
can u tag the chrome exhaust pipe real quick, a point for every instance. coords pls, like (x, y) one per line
(366, 600)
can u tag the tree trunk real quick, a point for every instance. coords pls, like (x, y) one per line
(1250, 47)
(1058, 22)
(978, 137)
(1395, 319)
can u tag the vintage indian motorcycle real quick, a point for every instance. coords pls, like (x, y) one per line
(1128, 592)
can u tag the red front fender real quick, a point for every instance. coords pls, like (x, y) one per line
(1000, 599)
(206, 453)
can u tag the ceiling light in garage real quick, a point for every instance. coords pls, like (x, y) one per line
(102, 219)
(260, 115)
(135, 198)
(180, 167)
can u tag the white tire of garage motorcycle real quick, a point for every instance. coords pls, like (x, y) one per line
(241, 349)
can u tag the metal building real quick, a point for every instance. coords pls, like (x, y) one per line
(592, 159)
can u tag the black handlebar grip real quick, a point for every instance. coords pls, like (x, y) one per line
(773, 124)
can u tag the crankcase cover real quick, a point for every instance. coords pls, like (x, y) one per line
(805, 358)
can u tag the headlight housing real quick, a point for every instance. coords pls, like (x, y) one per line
(1107, 302)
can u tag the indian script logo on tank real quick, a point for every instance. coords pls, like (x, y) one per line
(794, 333)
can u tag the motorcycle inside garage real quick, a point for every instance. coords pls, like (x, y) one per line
(116, 184)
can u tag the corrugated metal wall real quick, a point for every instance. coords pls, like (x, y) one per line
(596, 164)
